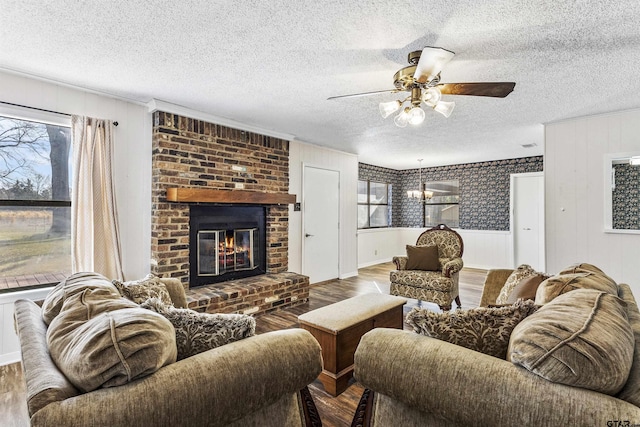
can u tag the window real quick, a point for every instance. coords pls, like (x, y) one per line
(443, 206)
(35, 203)
(373, 204)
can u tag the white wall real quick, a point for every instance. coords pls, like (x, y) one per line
(132, 154)
(482, 249)
(574, 186)
(9, 345)
(301, 154)
(132, 171)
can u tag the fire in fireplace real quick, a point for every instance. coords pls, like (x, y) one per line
(226, 243)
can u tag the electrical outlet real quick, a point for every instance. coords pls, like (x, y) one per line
(239, 185)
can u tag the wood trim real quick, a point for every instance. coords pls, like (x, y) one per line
(208, 195)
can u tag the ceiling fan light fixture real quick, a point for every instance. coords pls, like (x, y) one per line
(388, 108)
(432, 96)
(402, 119)
(445, 108)
(416, 115)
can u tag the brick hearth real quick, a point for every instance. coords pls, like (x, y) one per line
(252, 295)
(189, 153)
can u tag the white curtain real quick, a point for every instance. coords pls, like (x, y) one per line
(95, 240)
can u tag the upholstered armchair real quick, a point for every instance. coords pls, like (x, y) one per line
(440, 285)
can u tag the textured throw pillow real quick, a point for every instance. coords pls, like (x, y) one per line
(176, 291)
(70, 286)
(558, 285)
(141, 290)
(522, 272)
(581, 339)
(197, 332)
(486, 330)
(98, 340)
(526, 288)
(582, 267)
(422, 258)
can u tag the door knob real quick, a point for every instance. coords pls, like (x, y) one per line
(526, 228)
(308, 235)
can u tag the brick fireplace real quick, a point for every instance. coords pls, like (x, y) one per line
(196, 157)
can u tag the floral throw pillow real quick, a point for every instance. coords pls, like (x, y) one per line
(522, 272)
(197, 332)
(483, 329)
(141, 290)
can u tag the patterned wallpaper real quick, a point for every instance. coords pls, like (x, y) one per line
(389, 176)
(484, 190)
(626, 197)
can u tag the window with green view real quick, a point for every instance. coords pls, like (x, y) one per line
(35, 203)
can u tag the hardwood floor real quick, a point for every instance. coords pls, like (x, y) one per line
(334, 411)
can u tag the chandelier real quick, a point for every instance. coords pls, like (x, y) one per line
(421, 193)
(413, 113)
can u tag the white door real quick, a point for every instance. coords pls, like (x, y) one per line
(321, 191)
(527, 220)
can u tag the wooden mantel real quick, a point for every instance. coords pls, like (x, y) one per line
(208, 195)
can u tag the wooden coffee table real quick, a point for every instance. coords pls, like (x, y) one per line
(338, 328)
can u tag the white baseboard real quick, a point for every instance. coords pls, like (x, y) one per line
(347, 275)
(9, 358)
(375, 262)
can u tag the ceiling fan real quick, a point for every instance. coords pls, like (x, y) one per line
(422, 80)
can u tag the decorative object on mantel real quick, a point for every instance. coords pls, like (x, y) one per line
(422, 80)
(208, 195)
(421, 193)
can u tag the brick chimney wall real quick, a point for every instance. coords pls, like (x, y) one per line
(193, 153)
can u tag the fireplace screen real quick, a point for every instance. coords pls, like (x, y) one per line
(223, 251)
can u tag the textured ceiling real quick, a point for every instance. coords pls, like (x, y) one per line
(274, 63)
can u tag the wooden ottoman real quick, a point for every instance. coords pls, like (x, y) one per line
(338, 328)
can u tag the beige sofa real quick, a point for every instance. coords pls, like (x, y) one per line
(452, 385)
(254, 381)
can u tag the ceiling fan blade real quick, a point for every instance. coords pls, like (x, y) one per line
(494, 89)
(356, 95)
(432, 60)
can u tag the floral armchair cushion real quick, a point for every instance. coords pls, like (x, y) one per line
(449, 242)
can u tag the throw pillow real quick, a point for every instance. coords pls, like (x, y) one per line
(482, 329)
(422, 258)
(582, 267)
(70, 286)
(522, 272)
(197, 332)
(558, 285)
(141, 290)
(98, 340)
(526, 288)
(581, 339)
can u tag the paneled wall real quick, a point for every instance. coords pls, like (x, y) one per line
(574, 184)
(132, 154)
(482, 249)
(132, 172)
(301, 155)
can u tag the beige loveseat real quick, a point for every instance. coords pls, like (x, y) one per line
(417, 380)
(253, 381)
